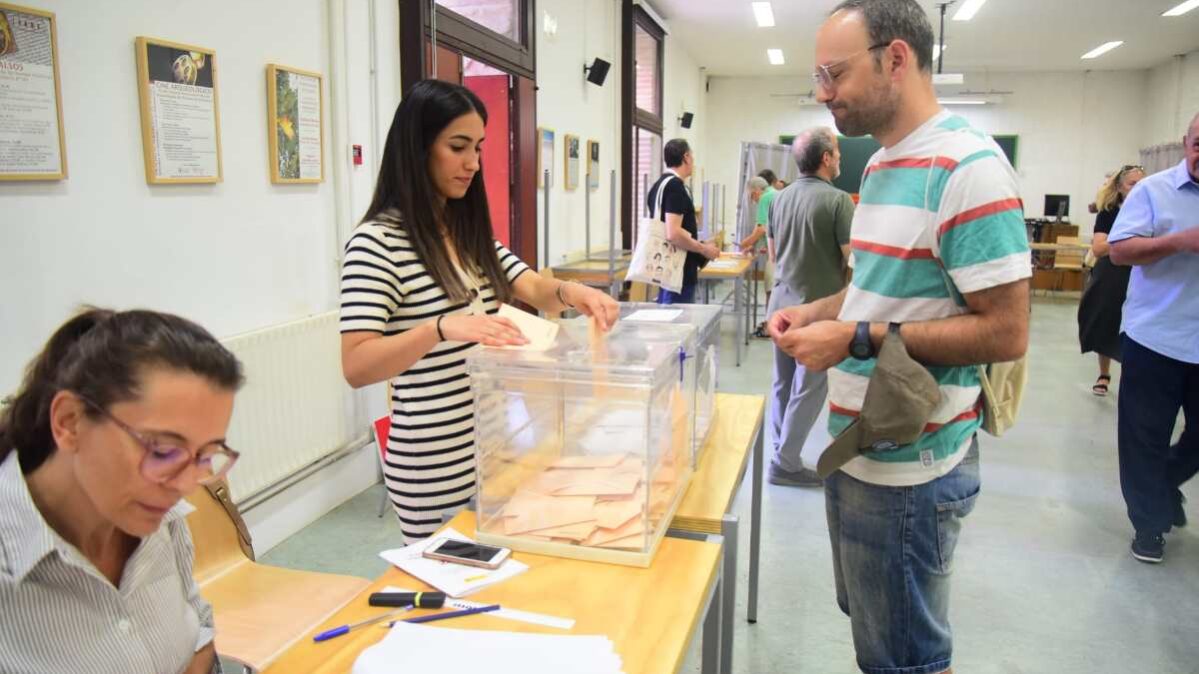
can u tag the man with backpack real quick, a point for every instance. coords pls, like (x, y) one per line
(941, 264)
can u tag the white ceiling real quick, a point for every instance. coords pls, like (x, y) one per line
(1028, 35)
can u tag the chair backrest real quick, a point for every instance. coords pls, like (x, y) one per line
(382, 430)
(215, 533)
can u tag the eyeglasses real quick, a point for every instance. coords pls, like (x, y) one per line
(163, 462)
(824, 76)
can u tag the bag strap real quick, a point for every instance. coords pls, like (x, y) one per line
(658, 197)
(220, 492)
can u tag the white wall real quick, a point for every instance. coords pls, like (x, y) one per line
(1173, 99)
(235, 256)
(568, 104)
(1073, 127)
(683, 91)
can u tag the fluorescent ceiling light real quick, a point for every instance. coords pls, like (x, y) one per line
(968, 10)
(775, 56)
(1180, 9)
(937, 51)
(961, 101)
(1102, 49)
(764, 13)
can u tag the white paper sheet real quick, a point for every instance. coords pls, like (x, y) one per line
(506, 613)
(445, 650)
(448, 577)
(540, 332)
(723, 264)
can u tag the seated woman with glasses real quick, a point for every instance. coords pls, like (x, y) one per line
(119, 417)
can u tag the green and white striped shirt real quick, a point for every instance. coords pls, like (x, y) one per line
(940, 215)
(60, 614)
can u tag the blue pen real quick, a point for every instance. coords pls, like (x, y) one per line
(450, 614)
(338, 631)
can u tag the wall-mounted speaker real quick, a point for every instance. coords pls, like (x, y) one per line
(597, 72)
(685, 120)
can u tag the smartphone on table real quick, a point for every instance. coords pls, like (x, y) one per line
(465, 552)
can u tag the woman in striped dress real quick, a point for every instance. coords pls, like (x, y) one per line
(421, 281)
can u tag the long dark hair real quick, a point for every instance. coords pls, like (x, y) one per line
(102, 355)
(404, 187)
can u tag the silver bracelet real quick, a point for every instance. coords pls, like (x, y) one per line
(562, 299)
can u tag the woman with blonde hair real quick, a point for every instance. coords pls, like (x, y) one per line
(1099, 312)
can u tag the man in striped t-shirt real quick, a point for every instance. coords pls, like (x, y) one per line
(939, 247)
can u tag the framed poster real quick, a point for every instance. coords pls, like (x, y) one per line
(32, 141)
(571, 144)
(295, 114)
(545, 157)
(593, 166)
(181, 124)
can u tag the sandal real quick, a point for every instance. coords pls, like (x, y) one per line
(760, 332)
(1100, 387)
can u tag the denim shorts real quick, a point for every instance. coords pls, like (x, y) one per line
(892, 557)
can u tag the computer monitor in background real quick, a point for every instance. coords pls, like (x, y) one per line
(1057, 206)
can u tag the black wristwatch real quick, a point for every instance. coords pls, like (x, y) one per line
(861, 347)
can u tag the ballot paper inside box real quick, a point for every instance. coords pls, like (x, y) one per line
(584, 449)
(706, 319)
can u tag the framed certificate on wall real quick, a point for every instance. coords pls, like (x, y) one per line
(32, 141)
(571, 145)
(295, 114)
(181, 123)
(593, 165)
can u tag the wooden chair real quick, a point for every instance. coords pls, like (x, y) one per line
(1068, 259)
(259, 610)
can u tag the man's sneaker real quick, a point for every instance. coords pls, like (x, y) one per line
(799, 478)
(1180, 513)
(1148, 548)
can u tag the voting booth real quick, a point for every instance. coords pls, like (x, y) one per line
(584, 449)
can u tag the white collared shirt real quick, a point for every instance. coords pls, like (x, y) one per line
(60, 614)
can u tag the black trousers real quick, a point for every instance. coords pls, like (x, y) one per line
(1152, 389)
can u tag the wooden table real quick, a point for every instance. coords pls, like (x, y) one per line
(650, 614)
(707, 506)
(737, 274)
(597, 272)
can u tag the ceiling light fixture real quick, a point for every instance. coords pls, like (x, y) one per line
(1182, 8)
(764, 13)
(1102, 49)
(961, 101)
(968, 10)
(775, 56)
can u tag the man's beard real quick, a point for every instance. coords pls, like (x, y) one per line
(874, 115)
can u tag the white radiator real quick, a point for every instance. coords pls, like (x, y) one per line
(295, 408)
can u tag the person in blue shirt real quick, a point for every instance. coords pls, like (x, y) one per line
(1157, 233)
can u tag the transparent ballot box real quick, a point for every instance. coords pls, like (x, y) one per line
(584, 449)
(706, 319)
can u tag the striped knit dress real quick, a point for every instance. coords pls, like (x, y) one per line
(386, 289)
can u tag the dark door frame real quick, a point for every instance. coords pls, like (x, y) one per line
(515, 58)
(632, 16)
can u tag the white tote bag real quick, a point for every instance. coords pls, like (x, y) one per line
(655, 259)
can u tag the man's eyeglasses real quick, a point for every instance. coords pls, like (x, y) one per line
(824, 76)
(163, 462)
